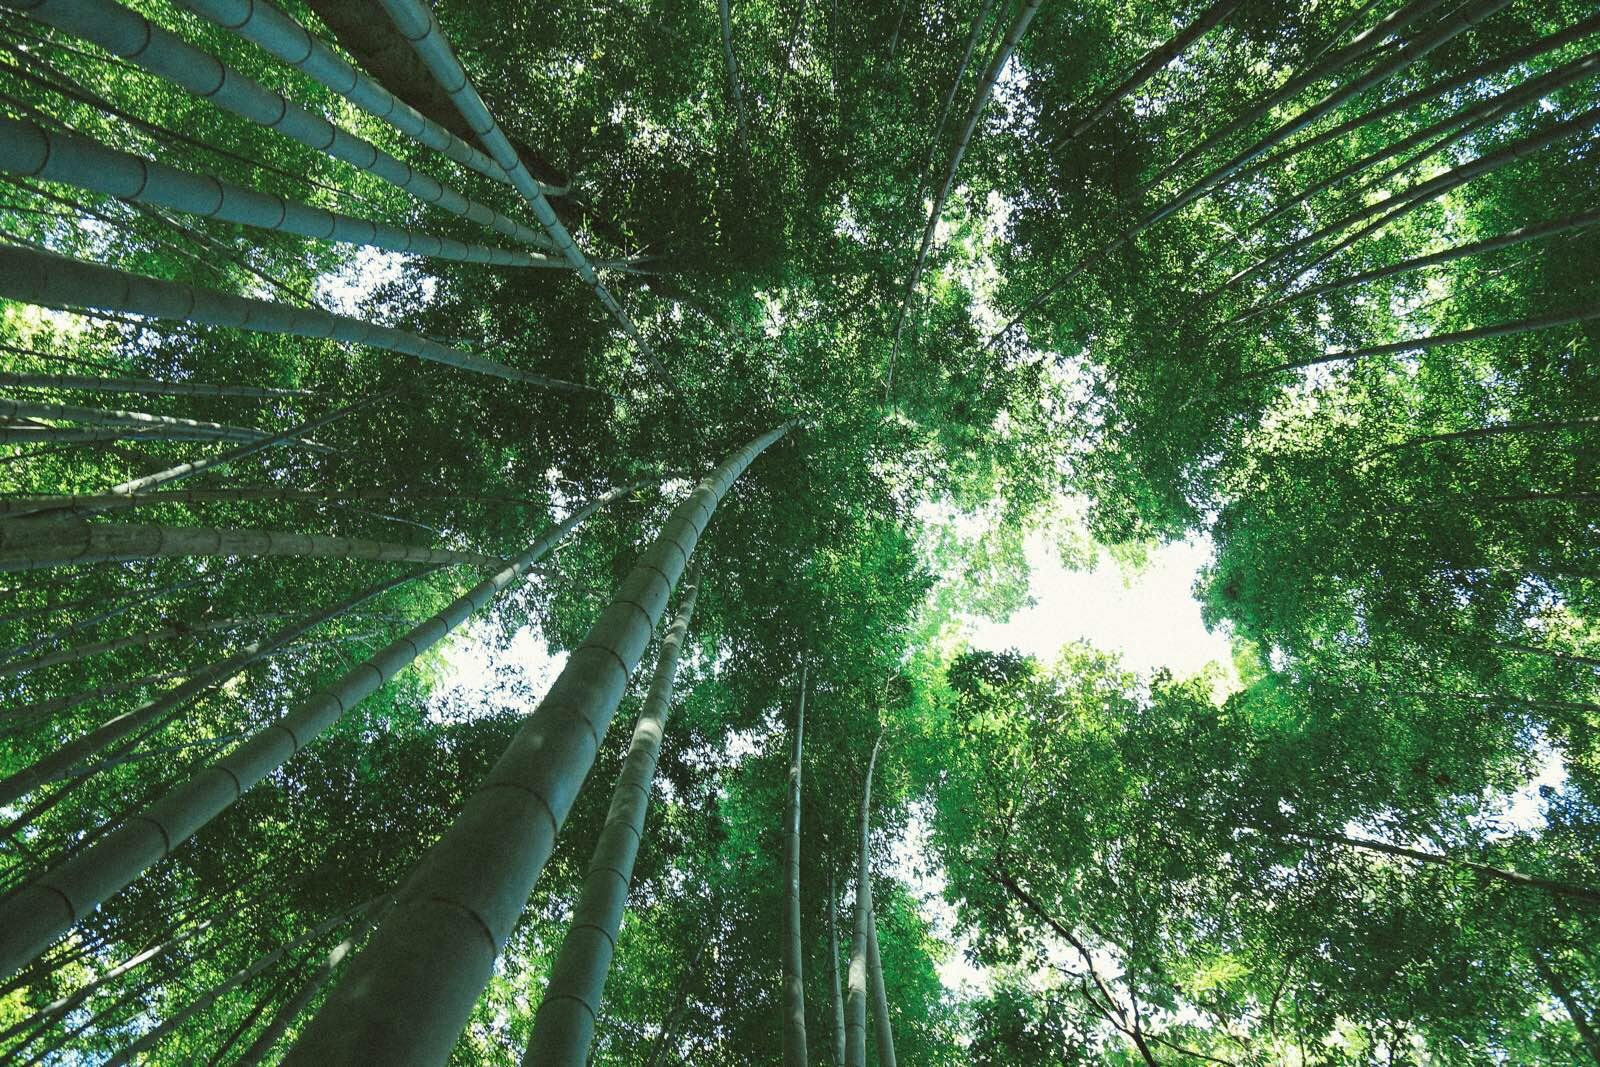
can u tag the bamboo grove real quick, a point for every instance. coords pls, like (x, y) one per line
(353, 354)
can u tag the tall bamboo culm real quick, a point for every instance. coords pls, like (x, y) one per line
(406, 997)
(563, 1029)
(34, 916)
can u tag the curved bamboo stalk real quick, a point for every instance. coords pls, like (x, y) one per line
(406, 997)
(1465, 18)
(257, 967)
(33, 409)
(63, 1005)
(32, 544)
(1362, 44)
(418, 25)
(1474, 248)
(1153, 63)
(735, 90)
(44, 278)
(950, 97)
(882, 1032)
(115, 644)
(155, 713)
(985, 89)
(563, 1029)
(68, 159)
(291, 1009)
(135, 38)
(265, 25)
(855, 1053)
(833, 971)
(150, 386)
(90, 435)
(33, 917)
(1489, 68)
(794, 987)
(1422, 344)
(1410, 199)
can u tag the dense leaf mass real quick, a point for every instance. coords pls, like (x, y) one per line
(317, 611)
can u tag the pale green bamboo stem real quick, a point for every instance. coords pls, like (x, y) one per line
(43, 278)
(135, 38)
(563, 1029)
(418, 25)
(149, 386)
(154, 713)
(33, 409)
(794, 986)
(263, 24)
(222, 989)
(34, 916)
(855, 1052)
(33, 544)
(406, 997)
(68, 159)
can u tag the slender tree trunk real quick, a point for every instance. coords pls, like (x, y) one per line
(30, 544)
(141, 598)
(1552, 653)
(833, 969)
(32, 918)
(68, 1003)
(1575, 1012)
(95, 502)
(26, 409)
(1363, 44)
(856, 998)
(44, 278)
(794, 987)
(1422, 344)
(130, 35)
(96, 435)
(1153, 63)
(1487, 69)
(669, 1020)
(223, 988)
(974, 113)
(1461, 20)
(116, 644)
(265, 25)
(68, 159)
(735, 90)
(263, 1002)
(408, 994)
(563, 1028)
(1523, 881)
(419, 27)
(882, 1032)
(1408, 200)
(146, 386)
(1457, 127)
(1316, 69)
(1509, 239)
(157, 712)
(949, 98)
(290, 1010)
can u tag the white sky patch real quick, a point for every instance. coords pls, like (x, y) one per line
(345, 290)
(1150, 619)
(481, 675)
